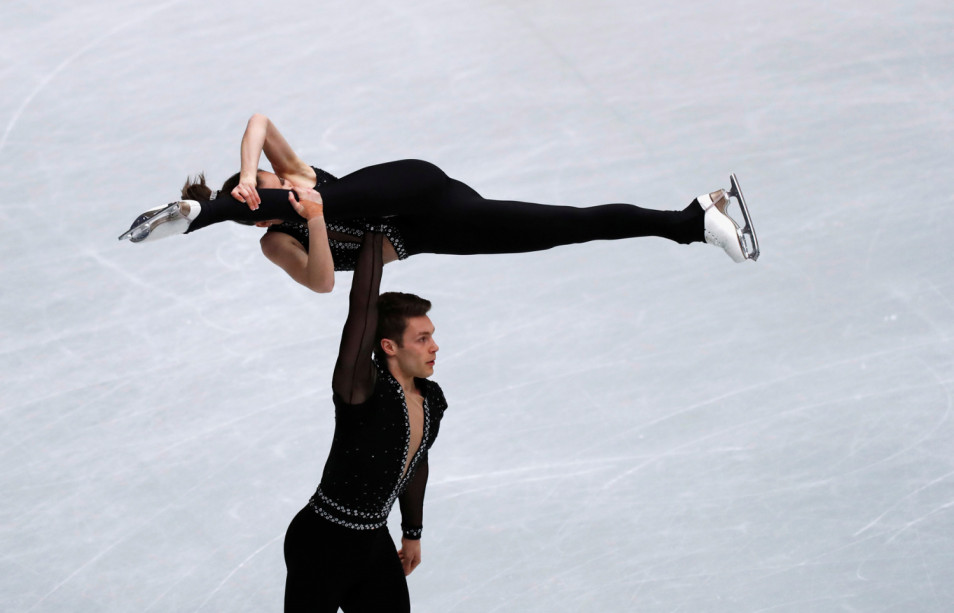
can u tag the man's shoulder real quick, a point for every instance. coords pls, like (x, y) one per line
(433, 393)
(430, 386)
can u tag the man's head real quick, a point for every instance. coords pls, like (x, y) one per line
(405, 334)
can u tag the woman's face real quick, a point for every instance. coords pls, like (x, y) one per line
(269, 180)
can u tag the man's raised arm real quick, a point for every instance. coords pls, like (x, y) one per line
(354, 376)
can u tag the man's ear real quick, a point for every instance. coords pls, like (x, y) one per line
(389, 346)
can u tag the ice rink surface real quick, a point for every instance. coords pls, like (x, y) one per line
(633, 426)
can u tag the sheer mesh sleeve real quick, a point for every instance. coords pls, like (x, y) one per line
(412, 502)
(354, 375)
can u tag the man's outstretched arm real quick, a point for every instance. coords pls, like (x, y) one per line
(354, 375)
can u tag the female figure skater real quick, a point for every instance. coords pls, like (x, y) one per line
(315, 221)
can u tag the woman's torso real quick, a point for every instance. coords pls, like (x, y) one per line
(344, 235)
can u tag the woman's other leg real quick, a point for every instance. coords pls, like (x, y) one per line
(466, 224)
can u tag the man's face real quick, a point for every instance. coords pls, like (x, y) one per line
(418, 351)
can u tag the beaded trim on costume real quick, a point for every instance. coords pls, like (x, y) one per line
(342, 522)
(358, 227)
(345, 253)
(354, 513)
(373, 520)
(413, 533)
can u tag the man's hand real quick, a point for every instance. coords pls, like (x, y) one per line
(410, 554)
(309, 202)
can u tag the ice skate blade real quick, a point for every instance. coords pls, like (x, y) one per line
(747, 237)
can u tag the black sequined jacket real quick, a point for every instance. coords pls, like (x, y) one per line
(364, 473)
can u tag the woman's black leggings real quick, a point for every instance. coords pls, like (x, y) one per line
(330, 566)
(437, 214)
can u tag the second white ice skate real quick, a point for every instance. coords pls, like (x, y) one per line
(722, 231)
(168, 220)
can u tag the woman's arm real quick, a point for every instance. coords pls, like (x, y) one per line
(260, 136)
(314, 268)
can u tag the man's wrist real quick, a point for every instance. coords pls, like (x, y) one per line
(314, 211)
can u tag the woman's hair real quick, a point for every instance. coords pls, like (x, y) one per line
(196, 189)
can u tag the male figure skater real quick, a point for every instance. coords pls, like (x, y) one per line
(338, 550)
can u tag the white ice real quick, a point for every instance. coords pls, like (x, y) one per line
(633, 426)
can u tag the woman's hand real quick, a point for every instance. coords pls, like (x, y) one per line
(309, 204)
(246, 192)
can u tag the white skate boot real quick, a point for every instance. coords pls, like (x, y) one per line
(162, 221)
(722, 231)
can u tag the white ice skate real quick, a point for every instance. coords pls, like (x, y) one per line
(722, 231)
(162, 221)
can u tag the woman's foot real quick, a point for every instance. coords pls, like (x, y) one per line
(168, 220)
(720, 229)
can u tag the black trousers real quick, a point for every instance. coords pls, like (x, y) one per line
(437, 214)
(330, 566)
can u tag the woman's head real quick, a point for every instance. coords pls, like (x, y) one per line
(196, 189)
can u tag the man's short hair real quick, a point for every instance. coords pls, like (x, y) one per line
(394, 309)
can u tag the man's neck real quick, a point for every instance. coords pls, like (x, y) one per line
(405, 381)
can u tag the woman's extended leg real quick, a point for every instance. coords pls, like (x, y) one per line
(450, 217)
(441, 215)
(275, 205)
(465, 223)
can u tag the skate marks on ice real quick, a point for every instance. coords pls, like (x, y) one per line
(745, 505)
(632, 426)
(88, 47)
